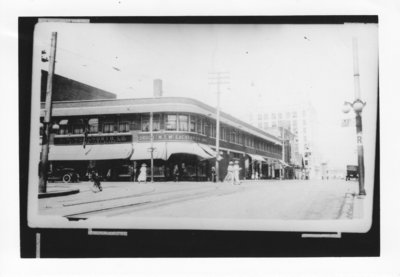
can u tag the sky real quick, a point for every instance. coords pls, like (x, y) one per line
(278, 64)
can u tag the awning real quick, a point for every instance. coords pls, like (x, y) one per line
(163, 150)
(211, 151)
(142, 151)
(283, 163)
(187, 148)
(257, 157)
(90, 152)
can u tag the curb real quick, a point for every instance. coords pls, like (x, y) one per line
(58, 193)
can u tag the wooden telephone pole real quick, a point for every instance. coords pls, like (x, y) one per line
(44, 160)
(218, 78)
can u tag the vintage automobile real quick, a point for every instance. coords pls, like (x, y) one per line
(352, 172)
(66, 175)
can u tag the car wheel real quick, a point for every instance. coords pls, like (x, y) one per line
(67, 178)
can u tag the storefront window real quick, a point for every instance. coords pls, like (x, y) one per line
(171, 122)
(192, 123)
(183, 123)
(145, 123)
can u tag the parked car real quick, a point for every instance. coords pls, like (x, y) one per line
(67, 175)
(352, 172)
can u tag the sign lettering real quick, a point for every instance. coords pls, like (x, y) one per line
(93, 140)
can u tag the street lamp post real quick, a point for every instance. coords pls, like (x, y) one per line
(357, 105)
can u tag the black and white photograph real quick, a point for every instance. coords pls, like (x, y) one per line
(250, 127)
(236, 138)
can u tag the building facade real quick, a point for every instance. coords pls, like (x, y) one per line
(65, 89)
(300, 120)
(115, 135)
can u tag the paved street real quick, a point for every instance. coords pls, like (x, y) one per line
(266, 199)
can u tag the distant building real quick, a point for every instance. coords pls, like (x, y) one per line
(65, 89)
(300, 120)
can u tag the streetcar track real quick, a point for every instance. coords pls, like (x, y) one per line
(152, 192)
(152, 203)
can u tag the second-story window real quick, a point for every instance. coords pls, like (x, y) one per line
(93, 125)
(156, 122)
(124, 127)
(183, 123)
(213, 130)
(232, 139)
(77, 128)
(171, 122)
(145, 123)
(108, 127)
(192, 123)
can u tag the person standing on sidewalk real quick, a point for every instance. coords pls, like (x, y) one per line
(143, 174)
(131, 173)
(236, 170)
(176, 173)
(229, 175)
(213, 174)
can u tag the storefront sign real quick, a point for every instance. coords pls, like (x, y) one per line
(92, 140)
(174, 137)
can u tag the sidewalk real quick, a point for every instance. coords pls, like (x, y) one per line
(58, 189)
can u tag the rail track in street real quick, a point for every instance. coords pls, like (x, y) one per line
(146, 200)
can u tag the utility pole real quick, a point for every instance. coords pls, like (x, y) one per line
(283, 151)
(358, 106)
(218, 79)
(44, 160)
(151, 148)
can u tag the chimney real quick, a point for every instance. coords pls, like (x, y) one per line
(157, 84)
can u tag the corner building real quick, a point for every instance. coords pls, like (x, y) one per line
(114, 135)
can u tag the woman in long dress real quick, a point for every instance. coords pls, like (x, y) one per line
(236, 169)
(229, 175)
(143, 174)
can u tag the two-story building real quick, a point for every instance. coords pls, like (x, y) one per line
(114, 134)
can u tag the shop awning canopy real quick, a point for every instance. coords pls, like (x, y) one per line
(164, 150)
(211, 151)
(257, 157)
(142, 151)
(90, 152)
(283, 163)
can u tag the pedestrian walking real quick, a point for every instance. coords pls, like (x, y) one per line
(176, 173)
(213, 174)
(143, 174)
(236, 170)
(229, 174)
(131, 173)
(96, 180)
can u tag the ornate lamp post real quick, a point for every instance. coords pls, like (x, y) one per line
(357, 105)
